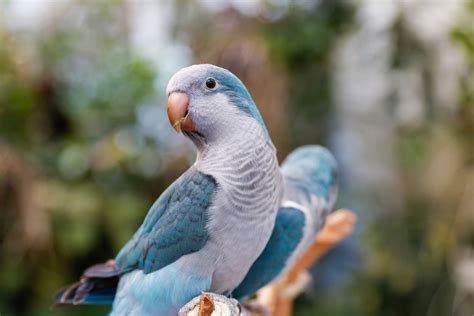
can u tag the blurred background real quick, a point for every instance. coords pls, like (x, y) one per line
(387, 85)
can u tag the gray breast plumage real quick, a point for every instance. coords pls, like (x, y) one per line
(243, 214)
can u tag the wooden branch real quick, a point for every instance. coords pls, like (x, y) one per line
(208, 304)
(277, 298)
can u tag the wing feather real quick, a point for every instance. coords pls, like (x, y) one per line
(175, 225)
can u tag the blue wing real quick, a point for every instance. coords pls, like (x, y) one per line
(174, 226)
(308, 171)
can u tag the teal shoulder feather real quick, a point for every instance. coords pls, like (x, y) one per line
(174, 226)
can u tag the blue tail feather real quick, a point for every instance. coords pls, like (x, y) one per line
(97, 286)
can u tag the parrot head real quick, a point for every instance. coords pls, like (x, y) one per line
(207, 103)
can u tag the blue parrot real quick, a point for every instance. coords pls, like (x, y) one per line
(310, 176)
(205, 231)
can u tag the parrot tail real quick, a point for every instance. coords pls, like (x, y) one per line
(97, 286)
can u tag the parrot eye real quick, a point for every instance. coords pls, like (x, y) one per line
(211, 83)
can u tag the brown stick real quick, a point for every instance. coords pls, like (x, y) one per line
(206, 305)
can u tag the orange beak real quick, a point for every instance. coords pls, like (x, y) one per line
(178, 103)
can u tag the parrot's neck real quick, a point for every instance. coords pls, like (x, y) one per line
(244, 160)
(235, 146)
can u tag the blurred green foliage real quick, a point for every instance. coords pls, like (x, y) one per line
(69, 96)
(464, 36)
(303, 41)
